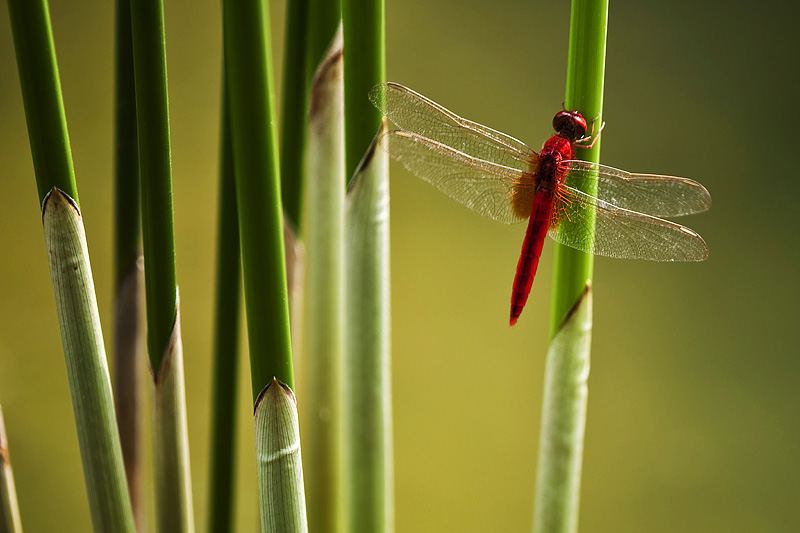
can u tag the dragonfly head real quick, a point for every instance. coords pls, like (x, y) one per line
(570, 125)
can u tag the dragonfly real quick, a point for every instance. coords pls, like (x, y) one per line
(501, 178)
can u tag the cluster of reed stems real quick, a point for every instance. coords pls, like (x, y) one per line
(304, 229)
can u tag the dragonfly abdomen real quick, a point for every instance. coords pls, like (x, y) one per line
(531, 251)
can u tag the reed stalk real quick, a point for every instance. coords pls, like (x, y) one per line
(222, 488)
(248, 68)
(365, 57)
(293, 112)
(585, 76)
(323, 319)
(567, 367)
(67, 252)
(10, 521)
(171, 443)
(280, 464)
(128, 369)
(368, 460)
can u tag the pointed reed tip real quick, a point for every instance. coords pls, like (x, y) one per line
(275, 393)
(584, 296)
(513, 320)
(327, 74)
(57, 195)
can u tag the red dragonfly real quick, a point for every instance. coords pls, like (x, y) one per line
(500, 177)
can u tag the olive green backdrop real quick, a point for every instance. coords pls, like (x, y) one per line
(693, 406)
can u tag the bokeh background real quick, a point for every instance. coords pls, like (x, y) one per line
(694, 398)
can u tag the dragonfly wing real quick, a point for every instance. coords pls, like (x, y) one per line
(619, 232)
(660, 196)
(500, 193)
(414, 113)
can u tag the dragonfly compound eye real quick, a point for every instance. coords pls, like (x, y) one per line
(569, 124)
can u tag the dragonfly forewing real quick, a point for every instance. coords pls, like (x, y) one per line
(414, 113)
(501, 193)
(660, 196)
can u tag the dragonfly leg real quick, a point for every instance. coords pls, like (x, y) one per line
(581, 143)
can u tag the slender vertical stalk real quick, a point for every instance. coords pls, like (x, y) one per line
(585, 75)
(292, 147)
(293, 111)
(128, 370)
(155, 167)
(171, 454)
(10, 521)
(368, 472)
(558, 476)
(368, 461)
(222, 489)
(41, 96)
(365, 57)
(567, 368)
(67, 252)
(322, 20)
(324, 307)
(248, 68)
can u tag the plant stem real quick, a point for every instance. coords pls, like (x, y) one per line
(365, 57)
(368, 472)
(70, 271)
(293, 115)
(280, 464)
(41, 96)
(10, 521)
(368, 469)
(558, 476)
(567, 367)
(222, 489)
(323, 18)
(155, 168)
(248, 68)
(585, 75)
(128, 370)
(87, 368)
(324, 290)
(171, 454)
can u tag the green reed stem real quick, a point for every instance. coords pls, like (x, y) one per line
(222, 489)
(585, 75)
(248, 67)
(70, 271)
(365, 57)
(567, 368)
(41, 96)
(293, 111)
(155, 167)
(128, 370)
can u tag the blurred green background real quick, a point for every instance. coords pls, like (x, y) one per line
(693, 406)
